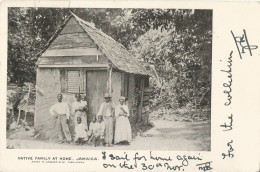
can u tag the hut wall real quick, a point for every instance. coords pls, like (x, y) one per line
(116, 87)
(72, 36)
(48, 80)
(44, 122)
(131, 94)
(132, 99)
(146, 97)
(73, 46)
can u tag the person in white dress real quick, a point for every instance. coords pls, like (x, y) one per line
(78, 109)
(123, 132)
(81, 134)
(84, 105)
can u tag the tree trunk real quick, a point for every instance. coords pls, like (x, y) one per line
(139, 119)
(18, 119)
(195, 92)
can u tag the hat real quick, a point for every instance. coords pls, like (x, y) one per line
(107, 95)
(77, 95)
(122, 98)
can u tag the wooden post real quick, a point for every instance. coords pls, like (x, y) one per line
(195, 92)
(109, 79)
(18, 119)
(141, 101)
(25, 114)
(26, 107)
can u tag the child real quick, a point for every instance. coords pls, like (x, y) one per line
(80, 132)
(96, 131)
(91, 126)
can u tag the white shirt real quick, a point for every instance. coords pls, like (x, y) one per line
(60, 108)
(80, 128)
(118, 110)
(97, 127)
(84, 103)
(78, 105)
(108, 113)
(100, 127)
(91, 126)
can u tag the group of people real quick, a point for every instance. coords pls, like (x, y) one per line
(101, 131)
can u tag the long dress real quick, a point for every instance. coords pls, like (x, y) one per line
(78, 110)
(123, 128)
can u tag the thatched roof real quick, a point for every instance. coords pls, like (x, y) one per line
(120, 57)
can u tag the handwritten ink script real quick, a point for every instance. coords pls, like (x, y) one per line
(243, 47)
(152, 162)
(229, 154)
(242, 44)
(228, 127)
(205, 166)
(228, 85)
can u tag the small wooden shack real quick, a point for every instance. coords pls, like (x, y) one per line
(82, 59)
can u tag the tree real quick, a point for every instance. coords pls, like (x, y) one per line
(177, 43)
(29, 30)
(185, 40)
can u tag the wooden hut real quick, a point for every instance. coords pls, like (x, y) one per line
(82, 59)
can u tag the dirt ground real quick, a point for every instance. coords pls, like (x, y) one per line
(165, 135)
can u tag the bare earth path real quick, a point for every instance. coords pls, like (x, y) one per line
(166, 135)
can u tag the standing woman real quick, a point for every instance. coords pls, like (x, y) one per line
(78, 110)
(84, 105)
(123, 133)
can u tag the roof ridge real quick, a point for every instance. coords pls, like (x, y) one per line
(99, 30)
(52, 38)
(121, 58)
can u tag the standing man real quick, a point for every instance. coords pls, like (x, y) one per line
(107, 111)
(61, 112)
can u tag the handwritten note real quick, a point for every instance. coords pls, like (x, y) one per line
(242, 44)
(153, 161)
(243, 47)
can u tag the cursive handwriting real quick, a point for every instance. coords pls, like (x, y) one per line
(113, 157)
(173, 168)
(185, 159)
(228, 85)
(205, 166)
(228, 127)
(138, 158)
(104, 155)
(242, 44)
(229, 154)
(140, 161)
(159, 158)
(127, 166)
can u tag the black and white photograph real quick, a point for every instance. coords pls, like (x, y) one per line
(109, 79)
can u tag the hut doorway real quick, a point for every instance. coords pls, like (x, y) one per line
(95, 89)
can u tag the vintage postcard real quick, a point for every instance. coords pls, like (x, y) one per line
(130, 86)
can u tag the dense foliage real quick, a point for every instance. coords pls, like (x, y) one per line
(178, 44)
(175, 43)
